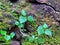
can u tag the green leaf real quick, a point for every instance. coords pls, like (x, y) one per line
(17, 23)
(21, 26)
(11, 4)
(7, 37)
(23, 13)
(40, 40)
(3, 32)
(31, 39)
(22, 19)
(30, 18)
(1, 7)
(45, 26)
(12, 34)
(40, 30)
(36, 37)
(48, 32)
(0, 3)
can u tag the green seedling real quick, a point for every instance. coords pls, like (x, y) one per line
(2, 32)
(43, 29)
(17, 23)
(22, 19)
(23, 13)
(40, 30)
(30, 18)
(7, 37)
(45, 26)
(21, 26)
(48, 32)
(12, 34)
(31, 39)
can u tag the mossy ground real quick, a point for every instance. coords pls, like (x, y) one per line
(8, 6)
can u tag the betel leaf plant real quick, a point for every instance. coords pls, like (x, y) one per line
(5, 36)
(23, 18)
(42, 29)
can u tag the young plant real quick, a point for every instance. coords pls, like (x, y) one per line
(6, 37)
(22, 19)
(43, 29)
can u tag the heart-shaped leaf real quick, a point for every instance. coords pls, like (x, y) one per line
(30, 18)
(21, 26)
(31, 39)
(23, 13)
(48, 32)
(45, 26)
(40, 30)
(7, 37)
(12, 34)
(22, 19)
(17, 23)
